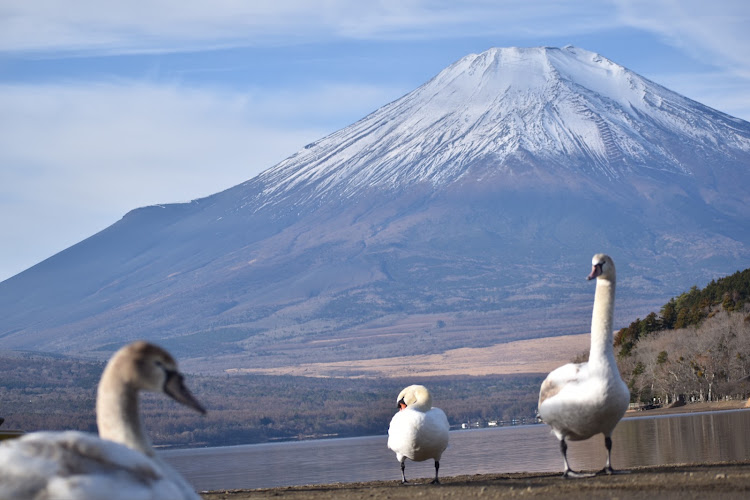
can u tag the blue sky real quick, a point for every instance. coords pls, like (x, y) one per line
(109, 106)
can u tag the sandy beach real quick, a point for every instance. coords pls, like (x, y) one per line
(685, 481)
(689, 481)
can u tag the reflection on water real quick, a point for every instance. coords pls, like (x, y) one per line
(702, 437)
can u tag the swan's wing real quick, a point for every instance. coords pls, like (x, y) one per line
(75, 465)
(418, 435)
(403, 431)
(437, 416)
(559, 378)
(437, 431)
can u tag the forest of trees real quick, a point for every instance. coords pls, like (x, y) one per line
(696, 348)
(43, 393)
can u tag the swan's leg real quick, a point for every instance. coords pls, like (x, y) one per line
(437, 466)
(403, 473)
(608, 468)
(568, 472)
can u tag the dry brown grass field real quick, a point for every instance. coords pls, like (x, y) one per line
(521, 356)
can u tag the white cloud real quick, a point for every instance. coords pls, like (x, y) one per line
(714, 32)
(140, 25)
(75, 158)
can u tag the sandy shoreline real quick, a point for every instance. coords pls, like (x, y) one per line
(693, 408)
(686, 481)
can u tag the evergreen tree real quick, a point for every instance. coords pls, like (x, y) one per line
(668, 315)
(730, 293)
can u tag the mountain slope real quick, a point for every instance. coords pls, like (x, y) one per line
(463, 214)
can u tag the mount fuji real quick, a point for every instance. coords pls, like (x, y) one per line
(463, 214)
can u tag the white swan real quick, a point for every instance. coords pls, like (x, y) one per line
(418, 431)
(120, 464)
(579, 400)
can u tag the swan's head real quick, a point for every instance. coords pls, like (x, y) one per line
(602, 267)
(147, 367)
(416, 397)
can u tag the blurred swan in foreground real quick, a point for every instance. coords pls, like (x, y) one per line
(579, 400)
(120, 464)
(418, 431)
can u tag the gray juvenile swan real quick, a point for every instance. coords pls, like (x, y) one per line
(579, 400)
(120, 464)
(418, 431)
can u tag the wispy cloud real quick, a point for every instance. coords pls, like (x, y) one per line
(714, 32)
(164, 25)
(80, 156)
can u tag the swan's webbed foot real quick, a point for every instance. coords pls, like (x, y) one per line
(608, 467)
(571, 474)
(435, 481)
(611, 472)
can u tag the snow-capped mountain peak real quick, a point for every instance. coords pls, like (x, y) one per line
(492, 113)
(461, 215)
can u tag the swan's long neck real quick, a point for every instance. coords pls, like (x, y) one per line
(117, 413)
(602, 351)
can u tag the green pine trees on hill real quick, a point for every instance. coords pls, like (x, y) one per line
(689, 309)
(696, 349)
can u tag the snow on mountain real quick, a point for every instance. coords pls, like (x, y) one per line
(563, 106)
(461, 215)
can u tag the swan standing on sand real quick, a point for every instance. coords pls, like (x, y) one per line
(121, 464)
(579, 400)
(418, 431)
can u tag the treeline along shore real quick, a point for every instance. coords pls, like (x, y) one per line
(697, 348)
(40, 392)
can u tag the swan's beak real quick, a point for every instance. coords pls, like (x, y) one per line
(401, 405)
(175, 388)
(595, 271)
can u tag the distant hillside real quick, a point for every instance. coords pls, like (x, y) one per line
(46, 393)
(730, 293)
(697, 348)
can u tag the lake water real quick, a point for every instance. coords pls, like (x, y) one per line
(637, 441)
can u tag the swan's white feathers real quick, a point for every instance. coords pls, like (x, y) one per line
(118, 465)
(578, 406)
(418, 432)
(76, 465)
(580, 400)
(418, 435)
(560, 378)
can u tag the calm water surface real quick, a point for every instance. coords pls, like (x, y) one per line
(670, 439)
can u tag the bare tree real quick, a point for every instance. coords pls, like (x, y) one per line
(707, 362)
